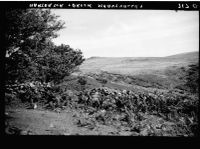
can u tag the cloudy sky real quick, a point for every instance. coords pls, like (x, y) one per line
(129, 33)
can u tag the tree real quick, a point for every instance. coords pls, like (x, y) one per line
(58, 62)
(30, 53)
(192, 78)
(27, 32)
(29, 25)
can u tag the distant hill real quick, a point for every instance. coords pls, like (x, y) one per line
(185, 55)
(137, 65)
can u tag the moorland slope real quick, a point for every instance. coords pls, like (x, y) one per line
(137, 65)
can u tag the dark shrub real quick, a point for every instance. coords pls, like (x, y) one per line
(102, 80)
(82, 81)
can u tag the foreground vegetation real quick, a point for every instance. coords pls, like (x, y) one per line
(141, 112)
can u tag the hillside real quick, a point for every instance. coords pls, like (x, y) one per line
(136, 72)
(188, 55)
(137, 65)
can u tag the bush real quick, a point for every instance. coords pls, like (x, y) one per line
(179, 109)
(82, 81)
(9, 97)
(193, 78)
(102, 80)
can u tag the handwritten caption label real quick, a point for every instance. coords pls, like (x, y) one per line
(86, 5)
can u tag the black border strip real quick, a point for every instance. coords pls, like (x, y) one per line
(141, 5)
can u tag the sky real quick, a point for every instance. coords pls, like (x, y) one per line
(129, 33)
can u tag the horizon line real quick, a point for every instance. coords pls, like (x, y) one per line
(141, 56)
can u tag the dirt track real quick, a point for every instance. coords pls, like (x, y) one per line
(23, 121)
(40, 122)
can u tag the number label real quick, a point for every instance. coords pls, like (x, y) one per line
(181, 6)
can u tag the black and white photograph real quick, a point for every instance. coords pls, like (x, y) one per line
(113, 70)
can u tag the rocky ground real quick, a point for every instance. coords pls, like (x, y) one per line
(21, 121)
